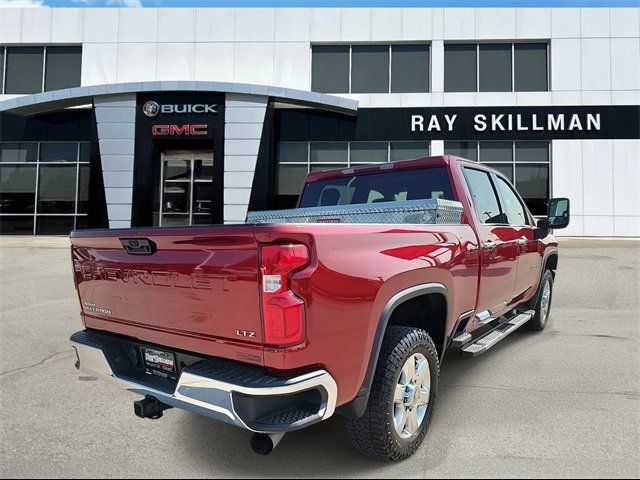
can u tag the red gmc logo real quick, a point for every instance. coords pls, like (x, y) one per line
(180, 130)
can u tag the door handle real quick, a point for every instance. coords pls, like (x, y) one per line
(523, 240)
(489, 244)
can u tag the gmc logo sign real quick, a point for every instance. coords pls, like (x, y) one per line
(179, 130)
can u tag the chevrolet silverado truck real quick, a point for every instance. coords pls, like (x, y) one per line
(343, 305)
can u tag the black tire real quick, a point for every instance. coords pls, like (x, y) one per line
(541, 318)
(374, 434)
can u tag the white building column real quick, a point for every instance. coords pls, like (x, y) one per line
(244, 119)
(116, 122)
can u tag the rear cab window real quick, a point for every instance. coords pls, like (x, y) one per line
(483, 196)
(385, 186)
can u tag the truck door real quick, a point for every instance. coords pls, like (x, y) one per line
(529, 259)
(498, 247)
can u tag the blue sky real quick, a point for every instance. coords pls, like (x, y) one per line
(323, 3)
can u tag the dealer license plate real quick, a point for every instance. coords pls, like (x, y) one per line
(159, 362)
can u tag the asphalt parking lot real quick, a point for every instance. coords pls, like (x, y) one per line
(563, 402)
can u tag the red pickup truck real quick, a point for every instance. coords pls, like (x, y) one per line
(344, 305)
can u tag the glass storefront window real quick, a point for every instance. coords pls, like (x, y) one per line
(496, 152)
(468, 150)
(18, 152)
(532, 182)
(46, 193)
(16, 225)
(369, 152)
(370, 69)
(34, 69)
(63, 68)
(17, 188)
(407, 150)
(52, 225)
(24, 70)
(328, 152)
(330, 68)
(530, 67)
(460, 72)
(57, 189)
(290, 178)
(495, 67)
(58, 152)
(410, 66)
(186, 193)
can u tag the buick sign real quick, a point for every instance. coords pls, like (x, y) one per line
(152, 109)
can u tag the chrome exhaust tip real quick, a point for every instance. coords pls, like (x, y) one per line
(265, 443)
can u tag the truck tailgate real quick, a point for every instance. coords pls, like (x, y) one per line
(197, 283)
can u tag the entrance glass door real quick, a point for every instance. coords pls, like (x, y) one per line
(186, 191)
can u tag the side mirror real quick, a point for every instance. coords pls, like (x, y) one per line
(558, 213)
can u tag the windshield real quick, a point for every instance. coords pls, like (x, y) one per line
(387, 186)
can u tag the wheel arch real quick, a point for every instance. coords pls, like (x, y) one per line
(432, 294)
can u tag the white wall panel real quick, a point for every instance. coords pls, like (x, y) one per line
(176, 25)
(596, 64)
(598, 226)
(215, 24)
(67, 25)
(594, 22)
(566, 173)
(325, 24)
(137, 62)
(292, 68)
(597, 171)
(247, 56)
(625, 64)
(214, 62)
(625, 22)
(355, 24)
(101, 24)
(495, 23)
(626, 177)
(99, 63)
(138, 25)
(176, 61)
(36, 25)
(11, 25)
(292, 25)
(254, 24)
(416, 24)
(533, 23)
(386, 24)
(566, 67)
(626, 226)
(459, 23)
(565, 22)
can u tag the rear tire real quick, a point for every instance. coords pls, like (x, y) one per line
(402, 397)
(543, 305)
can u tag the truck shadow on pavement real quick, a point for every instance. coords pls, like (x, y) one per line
(324, 449)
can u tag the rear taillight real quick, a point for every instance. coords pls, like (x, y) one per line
(282, 311)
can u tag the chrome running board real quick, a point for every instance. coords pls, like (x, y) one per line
(500, 332)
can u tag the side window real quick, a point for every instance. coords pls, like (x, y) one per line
(513, 208)
(483, 195)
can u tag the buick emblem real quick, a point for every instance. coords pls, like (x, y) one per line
(151, 109)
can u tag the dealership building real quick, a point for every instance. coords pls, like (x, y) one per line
(165, 117)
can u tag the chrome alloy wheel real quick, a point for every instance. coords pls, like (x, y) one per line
(411, 396)
(545, 302)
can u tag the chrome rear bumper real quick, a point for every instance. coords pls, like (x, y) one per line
(234, 393)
